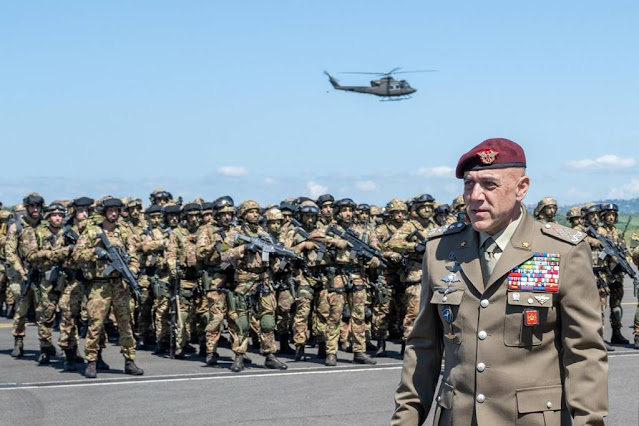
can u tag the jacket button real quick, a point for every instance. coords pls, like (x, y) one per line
(549, 405)
(439, 398)
(482, 335)
(480, 398)
(484, 303)
(444, 299)
(481, 367)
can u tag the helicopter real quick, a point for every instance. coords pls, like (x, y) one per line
(386, 87)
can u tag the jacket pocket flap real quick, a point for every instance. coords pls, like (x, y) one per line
(453, 298)
(544, 398)
(537, 300)
(445, 397)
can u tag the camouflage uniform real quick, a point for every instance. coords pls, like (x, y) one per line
(182, 248)
(635, 259)
(409, 248)
(217, 278)
(546, 210)
(19, 234)
(252, 287)
(6, 296)
(348, 287)
(107, 290)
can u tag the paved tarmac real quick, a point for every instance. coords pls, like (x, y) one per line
(190, 393)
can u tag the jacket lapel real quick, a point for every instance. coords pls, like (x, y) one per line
(468, 259)
(518, 250)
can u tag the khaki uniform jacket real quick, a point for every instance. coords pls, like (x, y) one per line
(498, 371)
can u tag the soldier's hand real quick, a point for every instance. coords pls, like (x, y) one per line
(250, 247)
(373, 263)
(340, 244)
(101, 253)
(395, 257)
(420, 248)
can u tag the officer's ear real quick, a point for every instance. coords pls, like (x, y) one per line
(523, 183)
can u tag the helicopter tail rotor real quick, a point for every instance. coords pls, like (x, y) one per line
(332, 80)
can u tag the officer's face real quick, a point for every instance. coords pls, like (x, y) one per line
(309, 219)
(274, 226)
(252, 216)
(327, 210)
(425, 211)
(398, 216)
(34, 210)
(112, 213)
(81, 213)
(346, 214)
(224, 219)
(55, 219)
(493, 197)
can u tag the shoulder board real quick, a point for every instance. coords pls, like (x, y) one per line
(560, 232)
(453, 228)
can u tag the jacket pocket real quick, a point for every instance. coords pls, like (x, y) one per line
(539, 405)
(443, 411)
(448, 307)
(515, 332)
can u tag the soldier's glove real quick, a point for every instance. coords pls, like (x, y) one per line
(420, 248)
(101, 253)
(395, 257)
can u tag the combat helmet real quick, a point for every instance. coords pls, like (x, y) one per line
(55, 207)
(344, 202)
(609, 207)
(308, 207)
(325, 198)
(442, 208)
(573, 212)
(544, 202)
(33, 198)
(395, 205)
(247, 205)
(223, 205)
(422, 199)
(458, 204)
(274, 214)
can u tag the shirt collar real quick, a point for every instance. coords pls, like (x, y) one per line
(502, 237)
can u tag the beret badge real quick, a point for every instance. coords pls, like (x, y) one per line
(487, 156)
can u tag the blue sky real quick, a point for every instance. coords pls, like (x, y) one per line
(212, 98)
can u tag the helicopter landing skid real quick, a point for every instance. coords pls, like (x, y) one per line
(395, 98)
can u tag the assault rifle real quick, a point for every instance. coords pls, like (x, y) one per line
(266, 246)
(358, 247)
(175, 320)
(618, 256)
(418, 235)
(118, 260)
(321, 247)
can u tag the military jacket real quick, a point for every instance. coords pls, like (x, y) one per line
(44, 249)
(84, 253)
(384, 233)
(153, 250)
(16, 245)
(343, 255)
(182, 247)
(401, 243)
(212, 242)
(248, 265)
(518, 350)
(294, 240)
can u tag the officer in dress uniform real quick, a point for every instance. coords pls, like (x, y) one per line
(513, 304)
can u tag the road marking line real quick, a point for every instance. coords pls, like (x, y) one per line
(53, 385)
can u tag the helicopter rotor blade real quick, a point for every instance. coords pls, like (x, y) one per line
(409, 72)
(371, 73)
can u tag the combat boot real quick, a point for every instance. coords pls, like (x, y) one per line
(370, 346)
(92, 370)
(188, 349)
(131, 368)
(179, 354)
(44, 358)
(381, 349)
(274, 363)
(363, 358)
(100, 364)
(321, 350)
(76, 356)
(331, 360)
(238, 363)
(285, 348)
(18, 348)
(345, 347)
(211, 359)
(51, 351)
(142, 345)
(617, 338)
(299, 352)
(69, 360)
(161, 349)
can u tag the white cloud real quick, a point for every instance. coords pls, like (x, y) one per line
(629, 190)
(315, 189)
(607, 161)
(436, 171)
(269, 181)
(366, 185)
(233, 171)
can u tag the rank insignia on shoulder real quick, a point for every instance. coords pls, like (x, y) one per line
(563, 233)
(453, 228)
(541, 273)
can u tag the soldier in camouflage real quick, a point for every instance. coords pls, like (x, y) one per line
(71, 299)
(217, 277)
(6, 296)
(546, 210)
(160, 197)
(252, 287)
(573, 216)
(407, 242)
(348, 286)
(23, 279)
(635, 258)
(181, 253)
(325, 204)
(609, 213)
(107, 288)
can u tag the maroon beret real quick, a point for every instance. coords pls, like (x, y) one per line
(495, 153)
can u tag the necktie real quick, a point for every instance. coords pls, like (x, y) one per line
(488, 259)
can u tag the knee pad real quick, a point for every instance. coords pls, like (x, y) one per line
(267, 323)
(617, 313)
